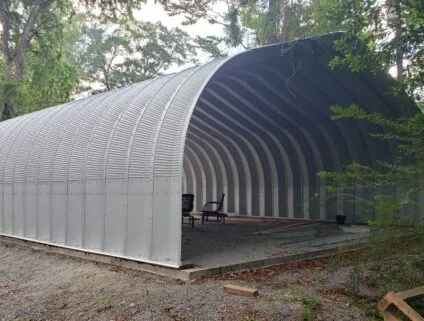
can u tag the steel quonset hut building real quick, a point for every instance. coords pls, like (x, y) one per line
(106, 173)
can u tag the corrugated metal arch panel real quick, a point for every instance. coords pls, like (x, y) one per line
(7, 218)
(184, 187)
(83, 136)
(54, 137)
(294, 125)
(345, 96)
(223, 155)
(221, 106)
(209, 151)
(265, 129)
(211, 170)
(12, 156)
(330, 131)
(123, 136)
(8, 139)
(98, 151)
(316, 104)
(42, 129)
(168, 162)
(191, 179)
(201, 175)
(70, 134)
(294, 134)
(356, 133)
(4, 131)
(171, 136)
(144, 142)
(257, 144)
(364, 95)
(72, 113)
(326, 134)
(236, 154)
(99, 134)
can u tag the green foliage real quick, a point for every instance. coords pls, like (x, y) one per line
(66, 52)
(393, 260)
(129, 51)
(50, 75)
(277, 21)
(392, 187)
(379, 35)
(210, 45)
(193, 10)
(250, 23)
(310, 303)
(355, 280)
(104, 303)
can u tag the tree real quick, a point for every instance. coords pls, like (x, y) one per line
(128, 51)
(251, 23)
(391, 187)
(276, 21)
(39, 38)
(22, 23)
(378, 36)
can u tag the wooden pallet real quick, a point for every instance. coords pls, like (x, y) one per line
(393, 302)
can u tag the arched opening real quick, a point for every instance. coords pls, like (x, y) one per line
(261, 131)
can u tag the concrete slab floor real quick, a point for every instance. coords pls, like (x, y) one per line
(215, 244)
(240, 244)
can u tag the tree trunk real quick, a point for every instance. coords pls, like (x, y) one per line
(26, 37)
(8, 111)
(272, 20)
(396, 20)
(7, 54)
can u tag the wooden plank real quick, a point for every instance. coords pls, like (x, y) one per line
(389, 316)
(240, 290)
(285, 228)
(411, 293)
(382, 305)
(403, 306)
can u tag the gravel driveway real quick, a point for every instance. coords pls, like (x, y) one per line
(38, 285)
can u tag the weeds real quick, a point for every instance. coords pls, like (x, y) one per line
(309, 304)
(390, 261)
(103, 303)
(356, 277)
(249, 318)
(333, 262)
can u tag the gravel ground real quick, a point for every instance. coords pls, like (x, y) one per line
(38, 285)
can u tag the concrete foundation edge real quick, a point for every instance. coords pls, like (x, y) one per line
(186, 274)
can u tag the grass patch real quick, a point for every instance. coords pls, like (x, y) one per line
(310, 303)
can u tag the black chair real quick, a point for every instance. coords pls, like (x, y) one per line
(211, 212)
(187, 207)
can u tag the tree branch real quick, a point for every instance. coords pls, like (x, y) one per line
(27, 34)
(5, 37)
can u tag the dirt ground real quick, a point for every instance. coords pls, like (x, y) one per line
(38, 285)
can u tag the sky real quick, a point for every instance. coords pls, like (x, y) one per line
(154, 12)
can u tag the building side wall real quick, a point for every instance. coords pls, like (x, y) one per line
(102, 174)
